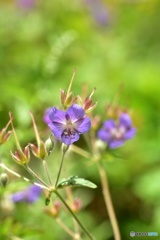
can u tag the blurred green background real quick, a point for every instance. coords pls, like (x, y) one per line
(112, 44)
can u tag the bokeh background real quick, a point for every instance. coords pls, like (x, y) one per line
(114, 45)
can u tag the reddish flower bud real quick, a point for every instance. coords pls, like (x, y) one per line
(4, 134)
(67, 97)
(39, 151)
(77, 205)
(21, 156)
(53, 211)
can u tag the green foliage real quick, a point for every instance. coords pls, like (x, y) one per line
(39, 48)
(75, 181)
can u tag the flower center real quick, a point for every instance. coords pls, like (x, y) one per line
(118, 132)
(69, 128)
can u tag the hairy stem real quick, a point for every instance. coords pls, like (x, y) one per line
(108, 201)
(47, 172)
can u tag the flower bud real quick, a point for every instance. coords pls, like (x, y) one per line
(40, 151)
(53, 211)
(4, 179)
(67, 99)
(4, 134)
(77, 205)
(49, 145)
(64, 148)
(21, 156)
(88, 104)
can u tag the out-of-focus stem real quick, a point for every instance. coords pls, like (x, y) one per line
(108, 201)
(80, 151)
(73, 215)
(66, 229)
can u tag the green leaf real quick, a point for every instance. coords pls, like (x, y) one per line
(75, 181)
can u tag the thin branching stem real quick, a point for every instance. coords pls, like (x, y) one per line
(24, 178)
(47, 172)
(35, 176)
(66, 229)
(108, 201)
(74, 216)
(61, 164)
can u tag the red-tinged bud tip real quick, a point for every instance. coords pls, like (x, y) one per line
(77, 205)
(21, 157)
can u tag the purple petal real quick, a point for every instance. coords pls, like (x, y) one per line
(56, 115)
(33, 193)
(125, 120)
(19, 196)
(46, 118)
(68, 140)
(104, 135)
(129, 134)
(75, 112)
(109, 125)
(83, 125)
(30, 194)
(57, 129)
(115, 143)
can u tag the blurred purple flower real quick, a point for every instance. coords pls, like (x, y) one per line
(26, 4)
(98, 11)
(115, 134)
(46, 118)
(30, 194)
(68, 125)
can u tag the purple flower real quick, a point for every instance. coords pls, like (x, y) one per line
(46, 118)
(68, 125)
(115, 134)
(30, 194)
(99, 11)
(26, 4)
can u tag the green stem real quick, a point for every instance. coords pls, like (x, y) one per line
(24, 178)
(66, 229)
(108, 201)
(64, 150)
(47, 172)
(74, 216)
(35, 176)
(80, 151)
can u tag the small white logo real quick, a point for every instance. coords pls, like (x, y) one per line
(132, 234)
